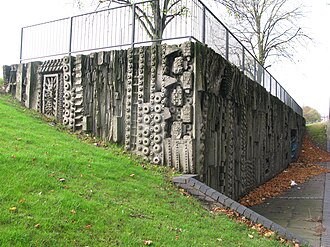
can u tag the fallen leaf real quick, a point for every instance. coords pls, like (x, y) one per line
(250, 236)
(269, 234)
(13, 209)
(147, 242)
(73, 211)
(22, 200)
(88, 226)
(282, 240)
(61, 180)
(37, 226)
(132, 175)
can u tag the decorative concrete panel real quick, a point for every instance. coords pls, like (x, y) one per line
(182, 106)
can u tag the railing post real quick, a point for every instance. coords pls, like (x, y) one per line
(243, 59)
(133, 26)
(21, 49)
(227, 45)
(255, 70)
(270, 84)
(203, 24)
(70, 36)
(276, 87)
(263, 76)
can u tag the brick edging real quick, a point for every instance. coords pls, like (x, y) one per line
(195, 187)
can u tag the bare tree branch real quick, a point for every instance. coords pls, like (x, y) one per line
(154, 18)
(267, 27)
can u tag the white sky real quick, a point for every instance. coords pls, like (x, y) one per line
(307, 80)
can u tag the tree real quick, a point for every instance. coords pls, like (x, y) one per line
(267, 27)
(155, 17)
(311, 115)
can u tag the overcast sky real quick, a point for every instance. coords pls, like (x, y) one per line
(307, 80)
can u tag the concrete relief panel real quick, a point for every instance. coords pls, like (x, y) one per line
(48, 88)
(31, 85)
(50, 95)
(182, 106)
(10, 78)
(68, 92)
(178, 85)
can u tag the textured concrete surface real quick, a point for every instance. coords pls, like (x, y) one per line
(196, 112)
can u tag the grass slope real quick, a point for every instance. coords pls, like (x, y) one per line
(57, 190)
(318, 134)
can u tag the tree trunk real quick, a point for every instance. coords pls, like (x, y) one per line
(261, 57)
(158, 21)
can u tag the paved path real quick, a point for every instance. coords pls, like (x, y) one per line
(302, 213)
(303, 210)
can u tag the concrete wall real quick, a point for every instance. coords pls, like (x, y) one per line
(246, 135)
(182, 105)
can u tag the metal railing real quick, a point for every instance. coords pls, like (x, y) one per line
(120, 27)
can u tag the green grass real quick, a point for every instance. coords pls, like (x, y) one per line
(1, 82)
(318, 134)
(100, 203)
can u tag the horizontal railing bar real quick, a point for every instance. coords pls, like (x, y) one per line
(39, 57)
(47, 22)
(88, 13)
(108, 9)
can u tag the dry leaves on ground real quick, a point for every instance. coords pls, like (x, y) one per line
(298, 172)
(262, 231)
(311, 153)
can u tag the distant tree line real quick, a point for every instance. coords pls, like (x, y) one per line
(311, 115)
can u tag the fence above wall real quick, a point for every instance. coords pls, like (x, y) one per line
(119, 27)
